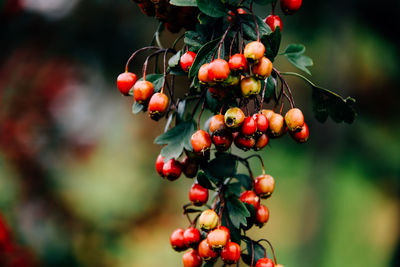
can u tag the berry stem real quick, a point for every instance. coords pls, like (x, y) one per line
(261, 161)
(272, 249)
(231, 46)
(273, 4)
(222, 41)
(263, 94)
(201, 112)
(286, 85)
(137, 52)
(255, 21)
(177, 40)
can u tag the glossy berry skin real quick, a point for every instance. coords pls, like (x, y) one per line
(244, 142)
(208, 220)
(187, 60)
(190, 167)
(192, 259)
(277, 125)
(125, 82)
(230, 254)
(205, 251)
(177, 240)
(294, 119)
(191, 237)
(203, 74)
(274, 21)
(262, 69)
(172, 169)
(234, 117)
(224, 228)
(262, 215)
(238, 63)
(217, 239)
(158, 106)
(217, 123)
(264, 185)
(218, 70)
(302, 135)
(254, 51)
(290, 7)
(250, 86)
(160, 165)
(198, 195)
(201, 141)
(222, 140)
(142, 91)
(262, 122)
(249, 126)
(261, 142)
(265, 262)
(250, 198)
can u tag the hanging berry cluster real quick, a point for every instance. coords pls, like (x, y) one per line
(228, 60)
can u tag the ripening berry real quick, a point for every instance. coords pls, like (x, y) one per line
(261, 142)
(294, 119)
(254, 51)
(217, 123)
(201, 141)
(250, 86)
(218, 70)
(244, 142)
(262, 122)
(265, 262)
(234, 117)
(125, 82)
(289, 7)
(249, 126)
(274, 21)
(205, 251)
(238, 63)
(262, 69)
(142, 91)
(187, 60)
(177, 240)
(262, 215)
(172, 169)
(191, 237)
(158, 106)
(302, 135)
(222, 140)
(250, 198)
(160, 165)
(192, 259)
(230, 254)
(190, 167)
(267, 113)
(208, 220)
(277, 125)
(264, 185)
(203, 74)
(217, 239)
(198, 195)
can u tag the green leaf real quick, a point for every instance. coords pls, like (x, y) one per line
(272, 42)
(295, 54)
(181, 110)
(234, 232)
(203, 56)
(203, 180)
(223, 166)
(183, 2)
(175, 59)
(237, 212)
(212, 103)
(259, 251)
(270, 89)
(194, 40)
(176, 139)
(234, 189)
(212, 8)
(156, 79)
(264, 2)
(249, 27)
(245, 180)
(136, 108)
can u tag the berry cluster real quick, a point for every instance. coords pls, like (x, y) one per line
(228, 60)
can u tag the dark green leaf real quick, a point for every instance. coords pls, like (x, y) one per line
(181, 110)
(194, 40)
(234, 232)
(234, 189)
(245, 180)
(183, 2)
(204, 19)
(136, 108)
(212, 8)
(270, 89)
(249, 27)
(174, 60)
(176, 139)
(224, 165)
(264, 2)
(203, 180)
(237, 212)
(295, 54)
(212, 103)
(252, 248)
(272, 42)
(203, 56)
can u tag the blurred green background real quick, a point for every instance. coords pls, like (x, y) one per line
(77, 179)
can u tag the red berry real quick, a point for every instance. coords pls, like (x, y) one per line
(192, 259)
(217, 123)
(250, 86)
(190, 167)
(231, 15)
(261, 142)
(250, 198)
(217, 239)
(201, 141)
(274, 21)
(222, 140)
(172, 169)
(224, 228)
(234, 117)
(160, 165)
(262, 215)
(142, 91)
(206, 252)
(198, 195)
(125, 82)
(302, 135)
(264, 185)
(158, 106)
(218, 70)
(290, 7)
(191, 237)
(263, 68)
(294, 119)
(177, 240)
(238, 63)
(265, 262)
(187, 60)
(208, 220)
(249, 126)
(254, 51)
(244, 142)
(231, 253)
(203, 74)
(262, 122)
